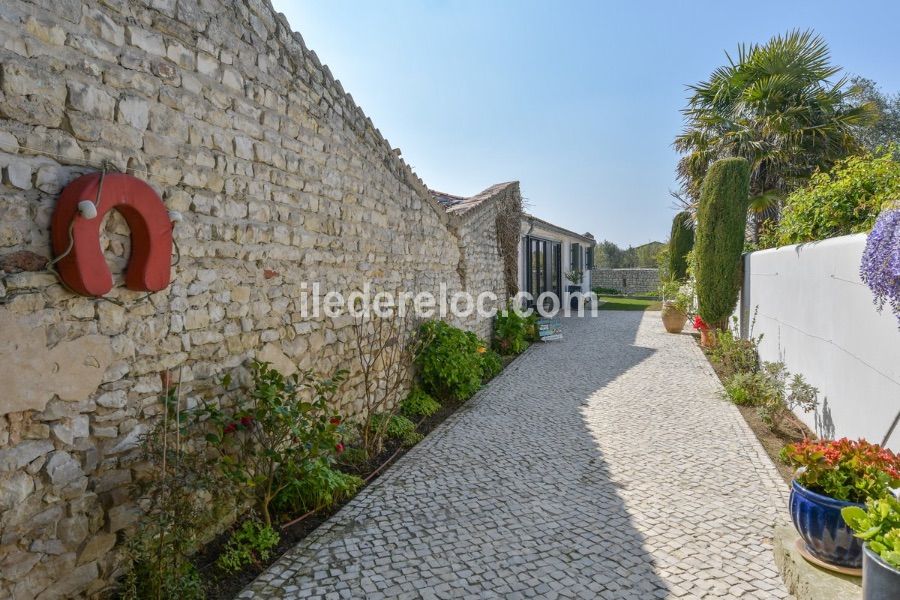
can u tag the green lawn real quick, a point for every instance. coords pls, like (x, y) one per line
(629, 303)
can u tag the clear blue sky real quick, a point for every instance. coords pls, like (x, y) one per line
(579, 101)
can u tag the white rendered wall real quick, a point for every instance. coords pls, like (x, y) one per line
(817, 316)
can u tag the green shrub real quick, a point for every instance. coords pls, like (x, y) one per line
(681, 241)
(843, 201)
(793, 394)
(749, 389)
(774, 392)
(418, 404)
(354, 457)
(721, 223)
(316, 487)
(281, 425)
(145, 580)
(511, 332)
(181, 479)
(450, 364)
(250, 544)
(399, 428)
(604, 291)
(491, 365)
(532, 332)
(732, 355)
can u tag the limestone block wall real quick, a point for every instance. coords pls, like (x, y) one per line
(627, 281)
(483, 251)
(282, 181)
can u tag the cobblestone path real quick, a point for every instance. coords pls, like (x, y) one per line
(605, 465)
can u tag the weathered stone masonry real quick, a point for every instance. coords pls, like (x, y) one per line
(627, 281)
(281, 179)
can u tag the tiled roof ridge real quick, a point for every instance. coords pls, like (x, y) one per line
(585, 236)
(459, 204)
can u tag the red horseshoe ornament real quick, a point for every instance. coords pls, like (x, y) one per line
(84, 267)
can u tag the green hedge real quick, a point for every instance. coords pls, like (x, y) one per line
(721, 224)
(681, 241)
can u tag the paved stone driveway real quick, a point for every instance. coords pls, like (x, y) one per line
(602, 466)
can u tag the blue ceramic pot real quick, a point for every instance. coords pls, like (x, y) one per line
(880, 580)
(818, 521)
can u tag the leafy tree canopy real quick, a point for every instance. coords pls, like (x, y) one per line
(609, 255)
(845, 200)
(885, 130)
(781, 105)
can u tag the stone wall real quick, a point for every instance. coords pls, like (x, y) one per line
(481, 266)
(627, 281)
(282, 180)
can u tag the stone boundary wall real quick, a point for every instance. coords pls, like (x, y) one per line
(281, 179)
(481, 261)
(627, 281)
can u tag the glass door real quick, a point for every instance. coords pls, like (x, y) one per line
(538, 262)
(544, 267)
(555, 271)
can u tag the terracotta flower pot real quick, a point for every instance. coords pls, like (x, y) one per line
(672, 318)
(707, 340)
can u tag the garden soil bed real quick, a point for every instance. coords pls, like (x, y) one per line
(223, 586)
(771, 441)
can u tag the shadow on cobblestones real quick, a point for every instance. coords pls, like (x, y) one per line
(511, 497)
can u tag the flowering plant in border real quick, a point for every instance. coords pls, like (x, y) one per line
(849, 470)
(700, 324)
(282, 424)
(880, 268)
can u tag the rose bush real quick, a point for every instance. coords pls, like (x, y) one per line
(282, 424)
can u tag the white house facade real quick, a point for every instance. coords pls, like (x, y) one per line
(550, 257)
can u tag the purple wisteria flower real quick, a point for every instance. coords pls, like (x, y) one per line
(880, 268)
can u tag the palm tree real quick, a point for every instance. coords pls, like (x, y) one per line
(776, 106)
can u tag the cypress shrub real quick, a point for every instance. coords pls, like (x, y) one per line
(721, 223)
(681, 241)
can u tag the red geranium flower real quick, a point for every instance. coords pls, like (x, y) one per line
(339, 447)
(699, 323)
(230, 428)
(335, 420)
(246, 421)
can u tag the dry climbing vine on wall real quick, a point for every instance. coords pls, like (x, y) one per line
(509, 224)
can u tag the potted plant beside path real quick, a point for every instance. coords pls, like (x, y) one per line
(676, 303)
(879, 527)
(576, 276)
(831, 476)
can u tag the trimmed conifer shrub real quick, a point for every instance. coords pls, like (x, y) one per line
(721, 223)
(681, 241)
